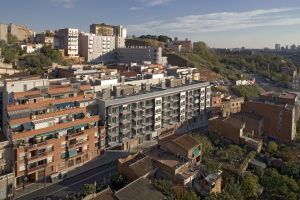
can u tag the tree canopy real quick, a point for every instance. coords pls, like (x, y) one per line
(250, 185)
(11, 38)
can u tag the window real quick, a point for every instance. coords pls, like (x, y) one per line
(86, 147)
(102, 142)
(237, 104)
(64, 145)
(233, 104)
(50, 149)
(215, 102)
(218, 101)
(71, 162)
(158, 102)
(85, 156)
(40, 151)
(97, 144)
(63, 163)
(71, 95)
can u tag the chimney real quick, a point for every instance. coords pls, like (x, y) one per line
(190, 79)
(122, 79)
(117, 91)
(183, 80)
(165, 73)
(163, 84)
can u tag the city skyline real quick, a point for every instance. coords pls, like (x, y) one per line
(220, 24)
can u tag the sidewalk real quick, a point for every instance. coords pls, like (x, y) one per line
(96, 162)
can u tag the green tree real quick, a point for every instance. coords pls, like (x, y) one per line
(165, 187)
(10, 54)
(291, 169)
(216, 137)
(119, 181)
(88, 189)
(100, 187)
(283, 148)
(259, 171)
(133, 37)
(11, 38)
(206, 144)
(211, 166)
(272, 147)
(250, 185)
(219, 196)
(183, 194)
(38, 71)
(285, 79)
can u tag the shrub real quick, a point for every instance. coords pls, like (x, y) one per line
(216, 69)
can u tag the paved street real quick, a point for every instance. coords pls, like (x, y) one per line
(74, 184)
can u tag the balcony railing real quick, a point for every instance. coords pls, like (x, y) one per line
(149, 105)
(80, 142)
(37, 156)
(37, 168)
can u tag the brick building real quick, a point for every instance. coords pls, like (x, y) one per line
(234, 129)
(216, 103)
(53, 126)
(225, 108)
(280, 111)
(136, 166)
(253, 121)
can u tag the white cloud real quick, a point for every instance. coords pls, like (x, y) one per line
(64, 3)
(149, 3)
(219, 21)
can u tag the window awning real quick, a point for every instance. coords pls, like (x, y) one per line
(80, 126)
(65, 129)
(28, 126)
(64, 155)
(72, 153)
(64, 104)
(45, 134)
(15, 126)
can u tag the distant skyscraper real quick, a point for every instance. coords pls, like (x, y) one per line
(293, 46)
(287, 47)
(282, 48)
(277, 46)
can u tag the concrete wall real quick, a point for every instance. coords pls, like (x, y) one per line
(3, 32)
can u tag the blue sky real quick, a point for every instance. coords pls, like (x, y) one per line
(219, 23)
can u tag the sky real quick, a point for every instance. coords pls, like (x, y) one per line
(219, 23)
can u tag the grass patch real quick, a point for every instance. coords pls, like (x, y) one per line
(246, 91)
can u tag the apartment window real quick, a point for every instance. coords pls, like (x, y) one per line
(64, 145)
(218, 101)
(102, 142)
(71, 162)
(63, 163)
(97, 144)
(71, 95)
(40, 151)
(50, 149)
(215, 102)
(237, 104)
(233, 104)
(158, 102)
(85, 156)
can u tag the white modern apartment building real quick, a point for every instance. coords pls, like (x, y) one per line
(98, 48)
(69, 41)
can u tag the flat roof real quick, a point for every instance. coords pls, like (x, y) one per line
(159, 93)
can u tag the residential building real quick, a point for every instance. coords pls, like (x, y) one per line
(252, 121)
(216, 103)
(225, 108)
(135, 114)
(277, 47)
(98, 48)
(106, 194)
(30, 47)
(184, 145)
(108, 30)
(139, 54)
(280, 111)
(45, 40)
(69, 41)
(139, 189)
(180, 72)
(178, 158)
(31, 37)
(176, 47)
(186, 45)
(207, 182)
(3, 32)
(235, 131)
(54, 126)
(136, 166)
(6, 175)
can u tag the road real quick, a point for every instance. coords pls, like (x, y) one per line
(75, 184)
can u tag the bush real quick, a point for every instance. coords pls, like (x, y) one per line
(246, 91)
(118, 181)
(216, 69)
(88, 189)
(165, 187)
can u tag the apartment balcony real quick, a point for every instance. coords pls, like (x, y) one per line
(125, 121)
(38, 156)
(174, 114)
(136, 126)
(197, 94)
(166, 109)
(113, 124)
(124, 112)
(149, 105)
(148, 131)
(75, 135)
(148, 114)
(174, 99)
(137, 117)
(196, 107)
(113, 144)
(137, 108)
(125, 130)
(113, 114)
(149, 122)
(80, 142)
(36, 168)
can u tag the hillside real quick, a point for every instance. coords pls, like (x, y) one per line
(144, 42)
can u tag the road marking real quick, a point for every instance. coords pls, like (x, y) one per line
(79, 181)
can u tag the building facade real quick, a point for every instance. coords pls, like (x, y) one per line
(69, 41)
(53, 125)
(140, 54)
(108, 30)
(100, 49)
(280, 111)
(135, 115)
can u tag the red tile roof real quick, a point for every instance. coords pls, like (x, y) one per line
(185, 141)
